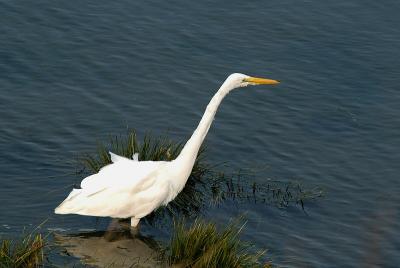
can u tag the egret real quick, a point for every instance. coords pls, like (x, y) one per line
(128, 188)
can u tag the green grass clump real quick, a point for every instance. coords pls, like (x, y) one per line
(26, 252)
(150, 149)
(202, 245)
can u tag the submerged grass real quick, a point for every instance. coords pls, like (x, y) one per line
(28, 251)
(202, 245)
(271, 192)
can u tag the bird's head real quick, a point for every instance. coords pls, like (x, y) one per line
(237, 80)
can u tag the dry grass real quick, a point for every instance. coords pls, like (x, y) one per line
(25, 252)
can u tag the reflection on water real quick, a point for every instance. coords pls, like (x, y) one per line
(116, 247)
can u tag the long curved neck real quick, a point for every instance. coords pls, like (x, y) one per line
(192, 146)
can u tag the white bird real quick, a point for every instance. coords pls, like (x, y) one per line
(133, 189)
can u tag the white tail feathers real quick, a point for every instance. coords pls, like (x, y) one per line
(62, 208)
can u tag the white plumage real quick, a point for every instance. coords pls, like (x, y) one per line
(133, 189)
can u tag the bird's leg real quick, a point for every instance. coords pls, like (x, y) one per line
(134, 222)
(134, 226)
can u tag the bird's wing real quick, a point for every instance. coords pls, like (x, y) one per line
(122, 171)
(122, 189)
(117, 202)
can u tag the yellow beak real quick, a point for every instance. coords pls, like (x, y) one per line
(260, 81)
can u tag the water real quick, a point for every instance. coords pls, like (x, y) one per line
(72, 73)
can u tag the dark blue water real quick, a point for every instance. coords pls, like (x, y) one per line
(72, 73)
